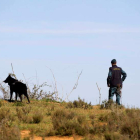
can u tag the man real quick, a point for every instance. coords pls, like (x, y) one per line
(115, 78)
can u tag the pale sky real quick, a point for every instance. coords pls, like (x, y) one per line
(69, 36)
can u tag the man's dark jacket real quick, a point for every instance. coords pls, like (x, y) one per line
(115, 78)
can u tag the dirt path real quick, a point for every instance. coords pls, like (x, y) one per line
(26, 133)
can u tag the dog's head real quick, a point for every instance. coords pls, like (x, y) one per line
(8, 79)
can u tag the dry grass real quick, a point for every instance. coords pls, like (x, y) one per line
(79, 104)
(45, 119)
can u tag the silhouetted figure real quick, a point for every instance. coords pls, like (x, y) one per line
(115, 78)
(18, 87)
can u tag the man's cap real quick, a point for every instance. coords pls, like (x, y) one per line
(113, 61)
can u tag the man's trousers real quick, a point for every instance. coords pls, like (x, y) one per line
(115, 90)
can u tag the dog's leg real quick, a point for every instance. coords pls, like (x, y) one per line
(11, 94)
(20, 97)
(27, 96)
(16, 96)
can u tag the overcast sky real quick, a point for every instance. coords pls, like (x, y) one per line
(69, 36)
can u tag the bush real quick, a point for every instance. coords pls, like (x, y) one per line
(132, 113)
(18, 104)
(25, 115)
(113, 120)
(37, 118)
(51, 132)
(98, 129)
(81, 119)
(115, 136)
(103, 118)
(5, 113)
(49, 112)
(110, 105)
(79, 104)
(107, 104)
(66, 122)
(50, 100)
(92, 116)
(131, 128)
(0, 103)
(7, 132)
(91, 137)
(127, 129)
(26, 138)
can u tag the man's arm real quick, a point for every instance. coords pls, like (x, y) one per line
(124, 75)
(109, 78)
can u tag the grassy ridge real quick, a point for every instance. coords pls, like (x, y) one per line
(44, 118)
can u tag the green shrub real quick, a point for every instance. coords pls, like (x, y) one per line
(133, 112)
(24, 114)
(0, 103)
(26, 138)
(70, 105)
(28, 115)
(114, 136)
(37, 118)
(51, 132)
(98, 129)
(127, 129)
(113, 120)
(92, 116)
(81, 119)
(66, 122)
(5, 113)
(103, 117)
(49, 112)
(7, 132)
(131, 128)
(50, 100)
(91, 137)
(79, 104)
(107, 104)
(110, 105)
(112, 116)
(18, 104)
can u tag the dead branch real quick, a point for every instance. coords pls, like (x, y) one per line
(55, 88)
(75, 85)
(13, 74)
(99, 94)
(5, 91)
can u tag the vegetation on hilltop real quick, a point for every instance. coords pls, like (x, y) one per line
(48, 115)
(44, 118)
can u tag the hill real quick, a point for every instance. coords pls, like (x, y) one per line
(45, 119)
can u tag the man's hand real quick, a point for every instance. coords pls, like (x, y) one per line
(108, 85)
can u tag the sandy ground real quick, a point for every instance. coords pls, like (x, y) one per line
(26, 133)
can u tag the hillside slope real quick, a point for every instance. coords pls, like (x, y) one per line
(44, 119)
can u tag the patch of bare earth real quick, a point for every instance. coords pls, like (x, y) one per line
(26, 133)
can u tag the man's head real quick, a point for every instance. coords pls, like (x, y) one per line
(113, 62)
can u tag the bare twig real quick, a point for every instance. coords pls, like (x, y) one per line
(75, 85)
(37, 81)
(99, 93)
(24, 78)
(13, 74)
(12, 68)
(55, 88)
(5, 91)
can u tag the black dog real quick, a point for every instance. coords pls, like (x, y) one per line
(17, 87)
